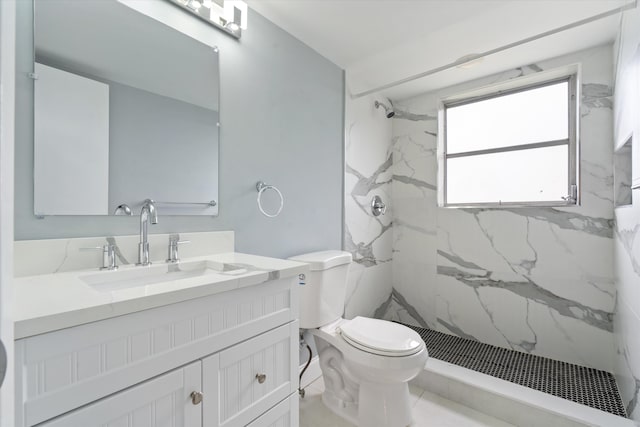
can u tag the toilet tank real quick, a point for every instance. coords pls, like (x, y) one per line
(323, 292)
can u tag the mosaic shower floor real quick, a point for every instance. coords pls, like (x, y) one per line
(580, 384)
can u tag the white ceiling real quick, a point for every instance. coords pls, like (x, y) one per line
(382, 41)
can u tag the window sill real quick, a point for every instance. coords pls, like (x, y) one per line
(559, 204)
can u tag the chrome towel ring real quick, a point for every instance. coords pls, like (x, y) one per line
(262, 187)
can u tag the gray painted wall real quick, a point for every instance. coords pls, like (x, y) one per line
(160, 148)
(282, 122)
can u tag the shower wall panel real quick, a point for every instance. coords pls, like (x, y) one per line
(369, 238)
(534, 279)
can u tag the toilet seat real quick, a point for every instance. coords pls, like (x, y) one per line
(381, 337)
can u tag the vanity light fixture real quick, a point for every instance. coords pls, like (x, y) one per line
(194, 4)
(229, 16)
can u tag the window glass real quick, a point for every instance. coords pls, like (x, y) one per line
(534, 175)
(525, 117)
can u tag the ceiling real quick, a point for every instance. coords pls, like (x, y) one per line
(381, 41)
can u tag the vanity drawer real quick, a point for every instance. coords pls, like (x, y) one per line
(65, 369)
(284, 414)
(251, 377)
(162, 401)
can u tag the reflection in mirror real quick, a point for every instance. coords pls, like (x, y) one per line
(126, 109)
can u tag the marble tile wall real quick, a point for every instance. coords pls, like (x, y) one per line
(538, 280)
(622, 175)
(627, 319)
(627, 228)
(368, 170)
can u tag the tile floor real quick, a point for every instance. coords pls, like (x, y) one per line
(587, 386)
(429, 410)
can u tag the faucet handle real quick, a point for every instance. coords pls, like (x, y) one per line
(174, 241)
(109, 260)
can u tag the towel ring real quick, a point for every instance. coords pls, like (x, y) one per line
(262, 187)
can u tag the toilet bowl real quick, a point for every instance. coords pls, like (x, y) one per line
(366, 363)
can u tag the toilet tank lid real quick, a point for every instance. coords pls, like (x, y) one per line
(324, 260)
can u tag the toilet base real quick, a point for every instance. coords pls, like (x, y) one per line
(384, 405)
(348, 411)
(366, 389)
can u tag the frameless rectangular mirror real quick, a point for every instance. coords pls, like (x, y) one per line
(126, 109)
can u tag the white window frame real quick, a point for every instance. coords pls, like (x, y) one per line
(568, 74)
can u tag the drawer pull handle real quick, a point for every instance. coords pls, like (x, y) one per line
(196, 397)
(261, 378)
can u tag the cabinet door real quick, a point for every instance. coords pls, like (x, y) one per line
(250, 378)
(284, 414)
(159, 402)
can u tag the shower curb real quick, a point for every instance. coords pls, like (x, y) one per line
(510, 402)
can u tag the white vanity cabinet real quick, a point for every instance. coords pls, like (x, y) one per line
(158, 402)
(239, 348)
(250, 378)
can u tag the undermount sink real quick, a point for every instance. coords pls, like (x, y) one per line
(155, 274)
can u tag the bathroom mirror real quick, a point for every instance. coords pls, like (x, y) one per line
(126, 108)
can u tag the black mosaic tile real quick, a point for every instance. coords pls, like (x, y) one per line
(580, 384)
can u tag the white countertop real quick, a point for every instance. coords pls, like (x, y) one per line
(50, 302)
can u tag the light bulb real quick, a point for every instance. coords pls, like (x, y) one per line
(232, 26)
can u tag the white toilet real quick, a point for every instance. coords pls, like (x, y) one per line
(366, 363)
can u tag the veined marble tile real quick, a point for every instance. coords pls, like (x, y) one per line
(627, 232)
(32, 257)
(416, 213)
(627, 319)
(511, 316)
(396, 308)
(460, 312)
(623, 172)
(500, 317)
(363, 230)
(368, 172)
(628, 358)
(627, 255)
(368, 135)
(411, 153)
(413, 242)
(414, 288)
(596, 160)
(491, 263)
(536, 250)
(462, 241)
(570, 339)
(538, 280)
(367, 289)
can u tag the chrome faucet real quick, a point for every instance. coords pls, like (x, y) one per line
(174, 241)
(148, 214)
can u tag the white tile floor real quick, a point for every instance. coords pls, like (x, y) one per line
(429, 410)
